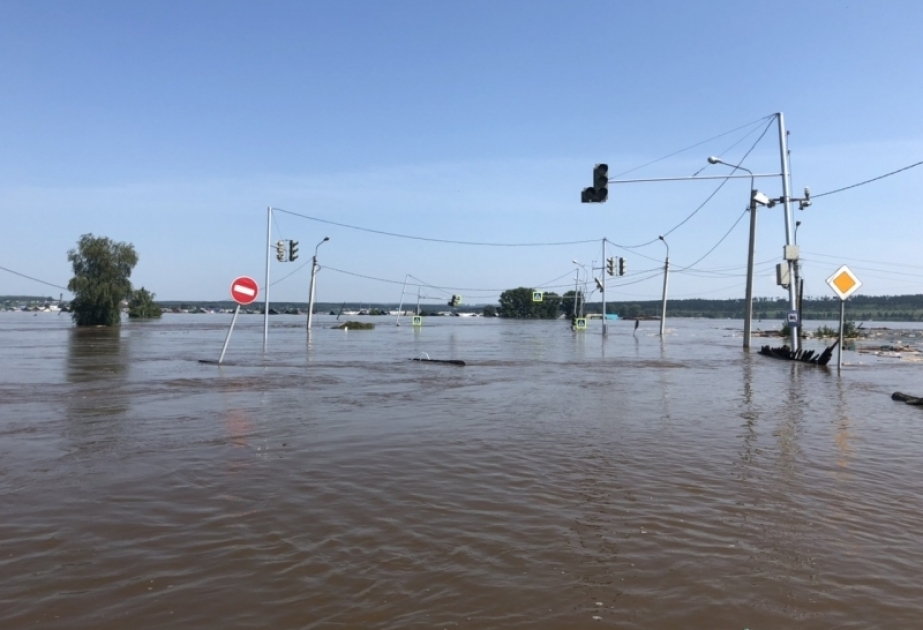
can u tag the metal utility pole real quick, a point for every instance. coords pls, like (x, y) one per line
(313, 278)
(799, 283)
(266, 287)
(792, 289)
(748, 314)
(605, 320)
(400, 306)
(666, 275)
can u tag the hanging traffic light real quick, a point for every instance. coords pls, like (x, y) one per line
(621, 266)
(292, 250)
(601, 181)
(610, 266)
(599, 284)
(456, 300)
(280, 251)
(599, 192)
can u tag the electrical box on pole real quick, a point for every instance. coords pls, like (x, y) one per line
(783, 275)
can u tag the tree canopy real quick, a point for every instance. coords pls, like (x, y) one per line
(518, 303)
(102, 268)
(141, 305)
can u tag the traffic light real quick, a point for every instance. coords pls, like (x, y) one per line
(455, 301)
(280, 251)
(599, 192)
(599, 284)
(610, 266)
(601, 181)
(292, 250)
(621, 266)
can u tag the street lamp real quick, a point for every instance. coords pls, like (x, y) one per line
(576, 287)
(666, 274)
(756, 199)
(313, 278)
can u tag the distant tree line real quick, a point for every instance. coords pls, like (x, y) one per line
(905, 308)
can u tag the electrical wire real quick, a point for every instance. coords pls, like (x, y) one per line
(698, 144)
(436, 240)
(22, 275)
(874, 262)
(707, 199)
(302, 266)
(868, 181)
(721, 240)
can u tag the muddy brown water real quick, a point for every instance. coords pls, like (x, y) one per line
(558, 480)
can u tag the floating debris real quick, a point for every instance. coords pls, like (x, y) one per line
(907, 398)
(809, 356)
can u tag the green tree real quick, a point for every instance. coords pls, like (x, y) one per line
(517, 303)
(141, 305)
(102, 269)
(568, 303)
(490, 311)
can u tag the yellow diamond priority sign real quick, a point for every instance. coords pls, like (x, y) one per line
(844, 282)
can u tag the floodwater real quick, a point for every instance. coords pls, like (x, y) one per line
(558, 480)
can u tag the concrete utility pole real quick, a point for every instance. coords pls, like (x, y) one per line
(666, 275)
(314, 268)
(791, 253)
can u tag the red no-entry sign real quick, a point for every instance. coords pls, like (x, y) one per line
(244, 290)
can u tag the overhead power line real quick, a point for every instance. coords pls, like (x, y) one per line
(868, 181)
(51, 284)
(698, 144)
(435, 240)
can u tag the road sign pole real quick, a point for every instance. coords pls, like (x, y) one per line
(839, 350)
(227, 339)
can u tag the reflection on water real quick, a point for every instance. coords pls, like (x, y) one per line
(95, 354)
(560, 479)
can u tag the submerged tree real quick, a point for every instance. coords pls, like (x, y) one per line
(141, 305)
(519, 303)
(102, 269)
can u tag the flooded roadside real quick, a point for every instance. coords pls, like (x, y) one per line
(555, 480)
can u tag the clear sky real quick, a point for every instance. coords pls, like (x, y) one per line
(174, 125)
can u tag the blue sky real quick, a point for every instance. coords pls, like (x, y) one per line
(174, 125)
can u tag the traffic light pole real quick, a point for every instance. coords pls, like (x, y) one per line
(605, 321)
(789, 227)
(266, 286)
(595, 194)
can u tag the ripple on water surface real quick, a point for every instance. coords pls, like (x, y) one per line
(557, 480)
